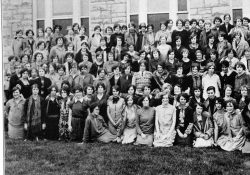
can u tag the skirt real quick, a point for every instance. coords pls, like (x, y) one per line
(246, 147)
(164, 141)
(77, 129)
(129, 135)
(231, 144)
(188, 141)
(114, 130)
(106, 137)
(200, 142)
(148, 140)
(52, 128)
(15, 132)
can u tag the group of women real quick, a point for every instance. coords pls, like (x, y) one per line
(133, 86)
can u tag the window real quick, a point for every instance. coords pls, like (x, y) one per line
(182, 5)
(135, 19)
(40, 24)
(85, 23)
(62, 7)
(64, 23)
(237, 13)
(156, 19)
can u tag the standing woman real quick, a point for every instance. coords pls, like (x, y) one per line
(40, 36)
(165, 120)
(184, 121)
(24, 83)
(35, 115)
(15, 113)
(30, 42)
(203, 127)
(64, 114)
(41, 48)
(164, 48)
(162, 32)
(89, 92)
(233, 137)
(77, 115)
(44, 83)
(52, 114)
(58, 50)
(128, 130)
(95, 40)
(57, 34)
(115, 109)
(145, 122)
(184, 34)
(18, 44)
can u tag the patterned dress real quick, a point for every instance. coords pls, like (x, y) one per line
(63, 122)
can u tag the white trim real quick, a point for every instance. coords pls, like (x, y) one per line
(62, 17)
(158, 12)
(84, 17)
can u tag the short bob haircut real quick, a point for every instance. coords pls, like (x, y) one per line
(211, 88)
(35, 86)
(60, 37)
(28, 31)
(221, 101)
(201, 105)
(61, 66)
(217, 18)
(83, 65)
(115, 66)
(57, 27)
(66, 89)
(69, 54)
(100, 84)
(231, 102)
(240, 64)
(140, 101)
(97, 27)
(100, 70)
(227, 14)
(109, 27)
(129, 97)
(132, 87)
(10, 58)
(210, 64)
(24, 70)
(185, 95)
(116, 87)
(150, 25)
(41, 42)
(93, 106)
(193, 20)
(53, 86)
(179, 20)
(89, 86)
(16, 88)
(117, 25)
(78, 88)
(224, 63)
(231, 50)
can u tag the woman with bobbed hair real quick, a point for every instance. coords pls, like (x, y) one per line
(24, 83)
(145, 123)
(58, 50)
(184, 121)
(52, 114)
(15, 113)
(165, 120)
(162, 32)
(96, 128)
(233, 137)
(184, 34)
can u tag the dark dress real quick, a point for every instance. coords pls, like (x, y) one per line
(184, 123)
(79, 115)
(25, 89)
(102, 103)
(95, 67)
(52, 119)
(184, 37)
(186, 66)
(125, 81)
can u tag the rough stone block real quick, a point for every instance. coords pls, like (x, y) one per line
(221, 10)
(196, 4)
(212, 3)
(193, 11)
(202, 11)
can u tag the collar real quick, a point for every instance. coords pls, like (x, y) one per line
(80, 100)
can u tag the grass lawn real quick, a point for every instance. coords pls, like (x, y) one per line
(49, 157)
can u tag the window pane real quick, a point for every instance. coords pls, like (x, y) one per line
(64, 23)
(182, 5)
(62, 7)
(158, 6)
(85, 23)
(40, 9)
(135, 19)
(84, 7)
(182, 16)
(134, 6)
(156, 19)
(40, 24)
(237, 13)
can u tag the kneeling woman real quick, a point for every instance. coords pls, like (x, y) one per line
(96, 128)
(233, 137)
(165, 119)
(145, 123)
(203, 127)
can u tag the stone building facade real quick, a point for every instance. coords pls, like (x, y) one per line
(31, 14)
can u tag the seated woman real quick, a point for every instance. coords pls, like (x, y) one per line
(96, 128)
(218, 119)
(145, 123)
(128, 130)
(233, 138)
(165, 120)
(203, 127)
(246, 128)
(184, 121)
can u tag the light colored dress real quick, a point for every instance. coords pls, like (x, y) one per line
(164, 49)
(233, 138)
(207, 81)
(165, 119)
(129, 132)
(15, 114)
